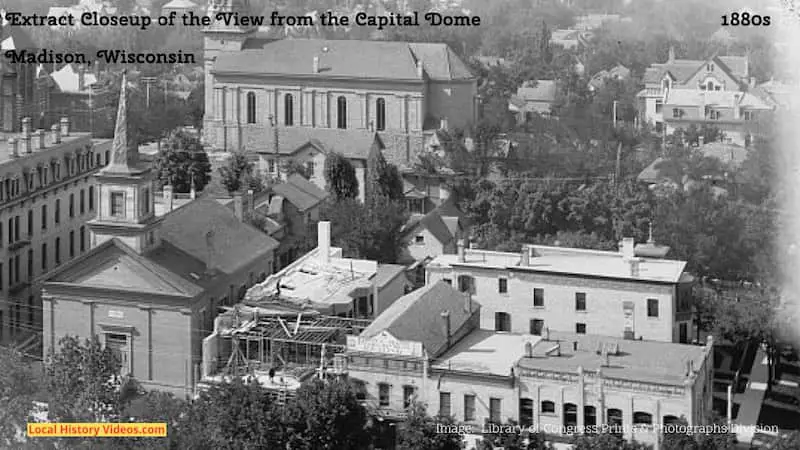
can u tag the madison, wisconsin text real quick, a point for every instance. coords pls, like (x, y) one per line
(106, 56)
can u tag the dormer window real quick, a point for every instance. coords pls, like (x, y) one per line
(710, 85)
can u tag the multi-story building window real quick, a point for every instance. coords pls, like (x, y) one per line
(118, 204)
(469, 408)
(384, 392)
(82, 202)
(91, 197)
(72, 243)
(10, 230)
(310, 168)
(251, 107)
(580, 301)
(44, 217)
(58, 250)
(341, 112)
(30, 264)
(494, 410)
(444, 404)
(57, 215)
(83, 239)
(536, 327)
(16, 228)
(44, 257)
(71, 205)
(502, 286)
(652, 307)
(580, 328)
(288, 110)
(502, 321)
(408, 395)
(538, 298)
(380, 114)
(659, 106)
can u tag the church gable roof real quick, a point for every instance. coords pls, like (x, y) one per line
(382, 60)
(113, 265)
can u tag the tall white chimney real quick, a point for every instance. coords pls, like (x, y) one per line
(462, 257)
(420, 69)
(12, 144)
(56, 132)
(168, 197)
(64, 126)
(315, 66)
(627, 248)
(324, 242)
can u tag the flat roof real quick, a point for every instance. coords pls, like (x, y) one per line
(570, 261)
(485, 351)
(309, 283)
(646, 361)
(66, 142)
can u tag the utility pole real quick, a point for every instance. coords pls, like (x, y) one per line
(614, 112)
(147, 82)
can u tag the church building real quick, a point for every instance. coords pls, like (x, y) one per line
(298, 99)
(151, 285)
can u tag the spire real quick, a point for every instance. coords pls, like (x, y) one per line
(651, 240)
(124, 153)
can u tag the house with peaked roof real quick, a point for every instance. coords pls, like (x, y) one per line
(433, 234)
(618, 72)
(533, 97)
(151, 285)
(718, 92)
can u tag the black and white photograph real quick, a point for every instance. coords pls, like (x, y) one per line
(400, 224)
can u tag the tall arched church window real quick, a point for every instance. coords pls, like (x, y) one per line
(380, 112)
(251, 107)
(288, 110)
(341, 112)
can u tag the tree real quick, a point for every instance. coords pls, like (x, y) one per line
(368, 231)
(195, 106)
(326, 415)
(681, 440)
(340, 176)
(422, 432)
(384, 178)
(83, 380)
(18, 385)
(238, 175)
(293, 166)
(519, 438)
(182, 163)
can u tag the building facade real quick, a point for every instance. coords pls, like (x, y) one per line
(151, 286)
(429, 349)
(48, 195)
(274, 97)
(718, 93)
(622, 294)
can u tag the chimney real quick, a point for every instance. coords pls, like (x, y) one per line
(42, 135)
(526, 257)
(710, 341)
(700, 140)
(462, 257)
(26, 126)
(446, 323)
(606, 359)
(443, 123)
(626, 247)
(315, 66)
(547, 333)
(420, 69)
(168, 197)
(64, 126)
(468, 302)
(12, 145)
(55, 131)
(671, 58)
(238, 206)
(81, 78)
(324, 242)
(688, 368)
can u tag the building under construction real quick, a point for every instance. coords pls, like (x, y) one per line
(279, 349)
